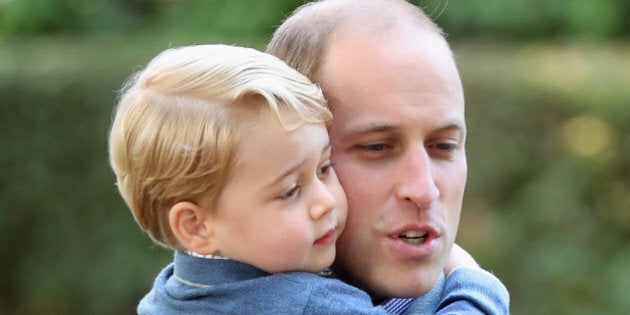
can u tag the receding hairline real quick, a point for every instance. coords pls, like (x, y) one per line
(304, 38)
(373, 16)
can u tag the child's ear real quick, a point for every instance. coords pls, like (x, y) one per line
(189, 223)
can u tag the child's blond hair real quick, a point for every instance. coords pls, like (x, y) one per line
(174, 136)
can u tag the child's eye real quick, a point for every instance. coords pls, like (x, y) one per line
(323, 171)
(291, 193)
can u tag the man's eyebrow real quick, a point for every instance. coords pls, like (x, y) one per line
(453, 125)
(382, 127)
(372, 128)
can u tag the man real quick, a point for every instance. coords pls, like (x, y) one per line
(398, 136)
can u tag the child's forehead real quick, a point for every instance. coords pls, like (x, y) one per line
(268, 148)
(259, 113)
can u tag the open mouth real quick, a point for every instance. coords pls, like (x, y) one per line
(414, 237)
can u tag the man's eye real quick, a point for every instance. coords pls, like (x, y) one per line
(375, 151)
(444, 150)
(445, 146)
(292, 193)
(373, 147)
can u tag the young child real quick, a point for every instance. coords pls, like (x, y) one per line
(222, 154)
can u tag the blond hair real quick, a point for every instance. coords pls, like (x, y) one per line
(174, 135)
(304, 37)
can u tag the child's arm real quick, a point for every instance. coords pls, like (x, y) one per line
(467, 289)
(459, 258)
(470, 289)
(473, 291)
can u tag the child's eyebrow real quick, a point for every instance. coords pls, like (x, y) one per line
(295, 166)
(327, 147)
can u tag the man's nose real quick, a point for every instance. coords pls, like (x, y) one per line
(417, 179)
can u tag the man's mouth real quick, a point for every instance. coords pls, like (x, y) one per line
(414, 237)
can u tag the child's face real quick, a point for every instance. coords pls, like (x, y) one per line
(283, 208)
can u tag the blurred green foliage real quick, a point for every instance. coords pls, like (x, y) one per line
(549, 144)
(549, 183)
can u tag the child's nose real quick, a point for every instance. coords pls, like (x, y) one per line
(323, 202)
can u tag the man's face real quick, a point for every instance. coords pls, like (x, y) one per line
(398, 137)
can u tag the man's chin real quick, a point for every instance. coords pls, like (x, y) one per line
(407, 281)
(407, 288)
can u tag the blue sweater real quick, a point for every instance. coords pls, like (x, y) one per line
(193, 285)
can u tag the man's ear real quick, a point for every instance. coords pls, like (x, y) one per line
(189, 224)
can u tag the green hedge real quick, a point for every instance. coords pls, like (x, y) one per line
(549, 159)
(514, 19)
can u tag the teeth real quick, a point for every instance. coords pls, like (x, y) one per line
(413, 237)
(413, 234)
